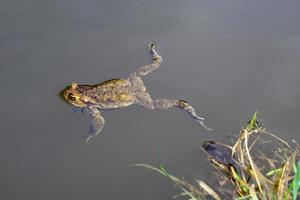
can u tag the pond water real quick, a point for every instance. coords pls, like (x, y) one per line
(227, 58)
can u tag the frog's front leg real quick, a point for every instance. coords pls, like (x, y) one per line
(97, 122)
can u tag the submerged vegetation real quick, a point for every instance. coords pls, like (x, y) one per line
(258, 165)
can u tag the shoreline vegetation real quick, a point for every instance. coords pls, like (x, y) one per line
(257, 165)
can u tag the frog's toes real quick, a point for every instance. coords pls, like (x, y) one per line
(75, 109)
(151, 46)
(201, 123)
(83, 110)
(89, 137)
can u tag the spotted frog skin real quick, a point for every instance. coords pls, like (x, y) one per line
(118, 93)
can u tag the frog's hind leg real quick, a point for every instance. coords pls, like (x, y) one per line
(147, 69)
(97, 123)
(144, 99)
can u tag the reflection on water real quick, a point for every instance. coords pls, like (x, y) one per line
(230, 58)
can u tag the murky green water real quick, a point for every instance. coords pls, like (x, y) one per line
(226, 58)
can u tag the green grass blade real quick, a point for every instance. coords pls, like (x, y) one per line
(296, 180)
(274, 171)
(253, 121)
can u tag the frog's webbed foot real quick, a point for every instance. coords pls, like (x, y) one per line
(155, 56)
(97, 123)
(191, 111)
(201, 122)
(147, 69)
(151, 46)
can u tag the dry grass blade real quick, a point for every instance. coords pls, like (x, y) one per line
(276, 137)
(253, 166)
(253, 193)
(208, 189)
(188, 189)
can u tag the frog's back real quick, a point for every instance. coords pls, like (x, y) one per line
(113, 93)
(113, 83)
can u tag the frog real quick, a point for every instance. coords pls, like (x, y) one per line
(122, 92)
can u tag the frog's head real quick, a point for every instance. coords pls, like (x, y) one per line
(73, 96)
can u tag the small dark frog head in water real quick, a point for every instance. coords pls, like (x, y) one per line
(218, 152)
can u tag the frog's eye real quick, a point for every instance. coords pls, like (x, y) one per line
(71, 97)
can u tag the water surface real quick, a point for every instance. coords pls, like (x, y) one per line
(227, 58)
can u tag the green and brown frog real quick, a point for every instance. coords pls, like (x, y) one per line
(118, 93)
